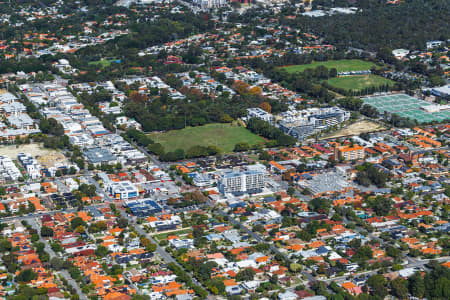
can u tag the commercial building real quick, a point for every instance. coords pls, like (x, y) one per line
(208, 4)
(98, 156)
(200, 179)
(350, 152)
(443, 91)
(329, 182)
(238, 183)
(143, 207)
(122, 190)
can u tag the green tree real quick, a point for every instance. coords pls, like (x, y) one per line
(294, 267)
(101, 251)
(378, 285)
(381, 205)
(240, 147)
(399, 288)
(291, 191)
(363, 253)
(320, 204)
(87, 189)
(5, 246)
(26, 275)
(122, 223)
(57, 263)
(393, 252)
(246, 275)
(416, 285)
(76, 222)
(46, 231)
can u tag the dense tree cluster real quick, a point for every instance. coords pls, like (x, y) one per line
(270, 132)
(188, 199)
(398, 121)
(350, 103)
(164, 113)
(183, 276)
(369, 174)
(51, 126)
(411, 24)
(139, 137)
(321, 205)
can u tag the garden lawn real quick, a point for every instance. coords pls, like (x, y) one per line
(342, 65)
(358, 82)
(224, 136)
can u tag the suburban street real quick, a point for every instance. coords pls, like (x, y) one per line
(52, 254)
(259, 239)
(159, 250)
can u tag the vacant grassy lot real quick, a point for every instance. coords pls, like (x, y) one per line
(342, 65)
(179, 233)
(224, 136)
(358, 82)
(355, 129)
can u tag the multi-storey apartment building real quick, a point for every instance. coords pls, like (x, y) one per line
(350, 152)
(238, 183)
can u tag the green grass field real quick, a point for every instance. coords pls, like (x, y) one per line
(342, 65)
(103, 63)
(358, 82)
(224, 136)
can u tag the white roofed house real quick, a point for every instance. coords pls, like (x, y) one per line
(71, 128)
(7, 98)
(400, 53)
(13, 108)
(22, 121)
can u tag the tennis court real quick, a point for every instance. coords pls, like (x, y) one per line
(406, 106)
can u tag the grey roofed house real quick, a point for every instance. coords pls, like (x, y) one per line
(179, 244)
(232, 235)
(233, 290)
(315, 298)
(288, 295)
(240, 244)
(184, 297)
(99, 155)
(96, 214)
(322, 250)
